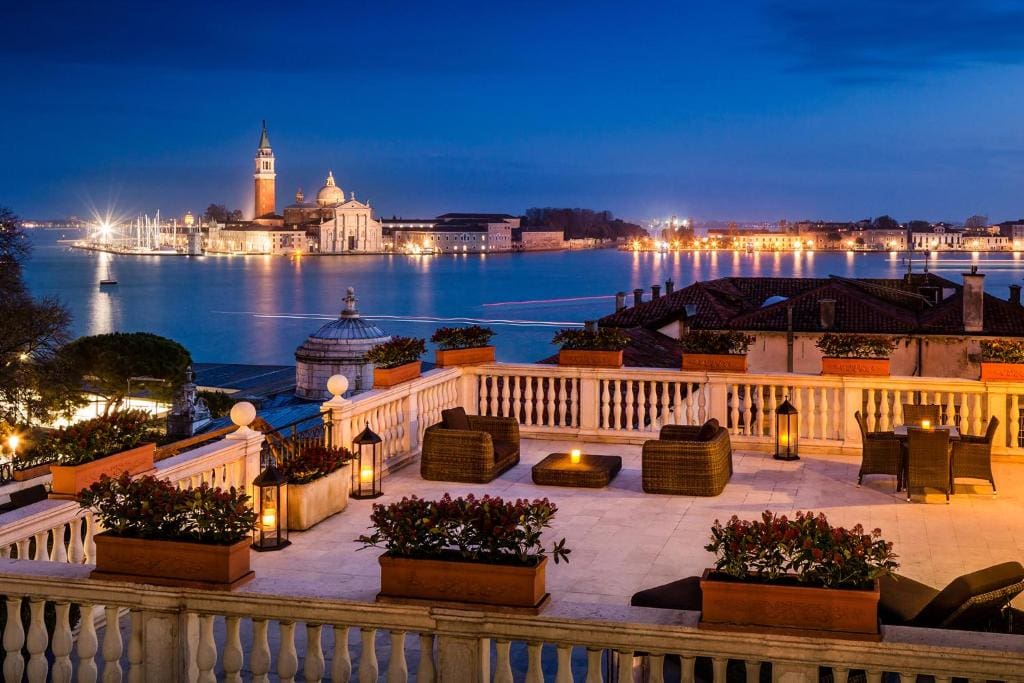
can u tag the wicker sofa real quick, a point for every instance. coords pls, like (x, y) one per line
(469, 448)
(688, 461)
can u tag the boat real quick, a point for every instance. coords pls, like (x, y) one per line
(107, 282)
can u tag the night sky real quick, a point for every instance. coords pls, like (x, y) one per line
(748, 110)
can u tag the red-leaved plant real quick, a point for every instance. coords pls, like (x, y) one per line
(806, 547)
(314, 462)
(97, 438)
(486, 529)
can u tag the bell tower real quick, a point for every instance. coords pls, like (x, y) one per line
(264, 176)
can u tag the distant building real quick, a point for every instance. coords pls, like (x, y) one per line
(264, 177)
(251, 237)
(452, 233)
(538, 239)
(336, 225)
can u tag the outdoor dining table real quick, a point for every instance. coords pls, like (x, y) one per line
(900, 431)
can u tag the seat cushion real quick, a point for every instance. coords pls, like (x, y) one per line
(455, 418)
(503, 450)
(961, 589)
(708, 430)
(681, 594)
(902, 599)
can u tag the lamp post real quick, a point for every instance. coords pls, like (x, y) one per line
(787, 432)
(367, 474)
(270, 491)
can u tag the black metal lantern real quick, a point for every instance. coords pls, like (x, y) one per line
(787, 432)
(270, 493)
(369, 464)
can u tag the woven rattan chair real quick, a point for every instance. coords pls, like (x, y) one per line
(476, 455)
(972, 455)
(683, 463)
(913, 414)
(928, 460)
(881, 453)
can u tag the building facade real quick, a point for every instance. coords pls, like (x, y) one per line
(538, 239)
(336, 225)
(252, 238)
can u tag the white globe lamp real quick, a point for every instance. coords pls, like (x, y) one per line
(242, 414)
(337, 385)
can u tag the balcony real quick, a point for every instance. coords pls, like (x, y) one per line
(311, 612)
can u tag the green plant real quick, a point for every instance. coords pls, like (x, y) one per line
(97, 438)
(151, 508)
(474, 336)
(314, 462)
(477, 529)
(722, 343)
(806, 547)
(1002, 350)
(604, 339)
(834, 345)
(398, 351)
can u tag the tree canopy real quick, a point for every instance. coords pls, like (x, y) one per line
(221, 214)
(577, 223)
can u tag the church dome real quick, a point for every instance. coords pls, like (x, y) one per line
(330, 194)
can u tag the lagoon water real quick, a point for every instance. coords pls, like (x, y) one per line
(257, 309)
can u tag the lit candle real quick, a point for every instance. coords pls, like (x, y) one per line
(366, 475)
(783, 439)
(12, 442)
(269, 518)
(574, 456)
(926, 424)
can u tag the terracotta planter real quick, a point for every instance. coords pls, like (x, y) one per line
(1002, 371)
(474, 356)
(172, 563)
(389, 377)
(588, 358)
(858, 367)
(32, 472)
(309, 504)
(715, 362)
(748, 606)
(474, 585)
(68, 480)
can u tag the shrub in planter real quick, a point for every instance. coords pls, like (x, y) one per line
(1002, 359)
(477, 551)
(396, 361)
(463, 345)
(319, 479)
(800, 573)
(708, 350)
(600, 348)
(109, 444)
(155, 533)
(855, 354)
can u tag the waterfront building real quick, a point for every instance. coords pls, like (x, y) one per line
(538, 239)
(336, 225)
(453, 233)
(337, 348)
(250, 237)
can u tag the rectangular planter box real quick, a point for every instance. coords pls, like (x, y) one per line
(859, 367)
(474, 356)
(172, 563)
(32, 472)
(68, 480)
(389, 377)
(1002, 371)
(834, 612)
(590, 359)
(715, 362)
(473, 585)
(309, 504)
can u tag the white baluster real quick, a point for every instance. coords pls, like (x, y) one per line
(425, 672)
(503, 665)
(341, 662)
(812, 413)
(494, 396)
(564, 673)
(605, 404)
(977, 418)
(90, 534)
(76, 551)
(232, 660)
(506, 396)
(517, 398)
(625, 665)
(112, 647)
(702, 403)
(136, 666)
(1013, 421)
(534, 673)
(616, 399)
(398, 671)
(564, 411)
(530, 413)
(259, 660)
(368, 669)
(206, 650)
(689, 662)
(594, 673)
(839, 674)
(87, 645)
(313, 667)
(60, 549)
(287, 659)
(40, 552)
(718, 665)
(734, 411)
(549, 395)
(642, 402)
(14, 640)
(656, 663)
(61, 644)
(37, 641)
(630, 408)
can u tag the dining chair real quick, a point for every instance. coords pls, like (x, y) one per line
(928, 460)
(881, 453)
(972, 455)
(913, 414)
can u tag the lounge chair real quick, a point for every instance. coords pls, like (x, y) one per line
(972, 455)
(688, 461)
(881, 453)
(469, 448)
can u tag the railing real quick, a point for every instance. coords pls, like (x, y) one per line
(285, 442)
(194, 635)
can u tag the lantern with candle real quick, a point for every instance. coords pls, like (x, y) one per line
(787, 432)
(575, 455)
(366, 475)
(270, 492)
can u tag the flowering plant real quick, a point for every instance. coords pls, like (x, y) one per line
(1002, 350)
(486, 529)
(604, 339)
(724, 343)
(97, 438)
(472, 337)
(806, 547)
(855, 346)
(153, 508)
(314, 462)
(398, 351)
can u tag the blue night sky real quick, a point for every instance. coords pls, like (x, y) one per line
(747, 110)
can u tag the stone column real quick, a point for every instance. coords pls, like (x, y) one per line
(463, 659)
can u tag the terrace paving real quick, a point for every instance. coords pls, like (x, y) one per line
(624, 540)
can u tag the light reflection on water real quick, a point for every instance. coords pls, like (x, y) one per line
(218, 305)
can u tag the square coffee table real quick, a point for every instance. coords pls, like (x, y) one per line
(592, 471)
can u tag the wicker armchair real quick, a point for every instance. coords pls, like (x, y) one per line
(913, 414)
(476, 456)
(928, 460)
(881, 453)
(677, 463)
(972, 455)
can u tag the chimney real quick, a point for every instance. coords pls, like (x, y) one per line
(827, 313)
(638, 296)
(974, 300)
(1015, 295)
(655, 292)
(669, 287)
(620, 301)
(590, 326)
